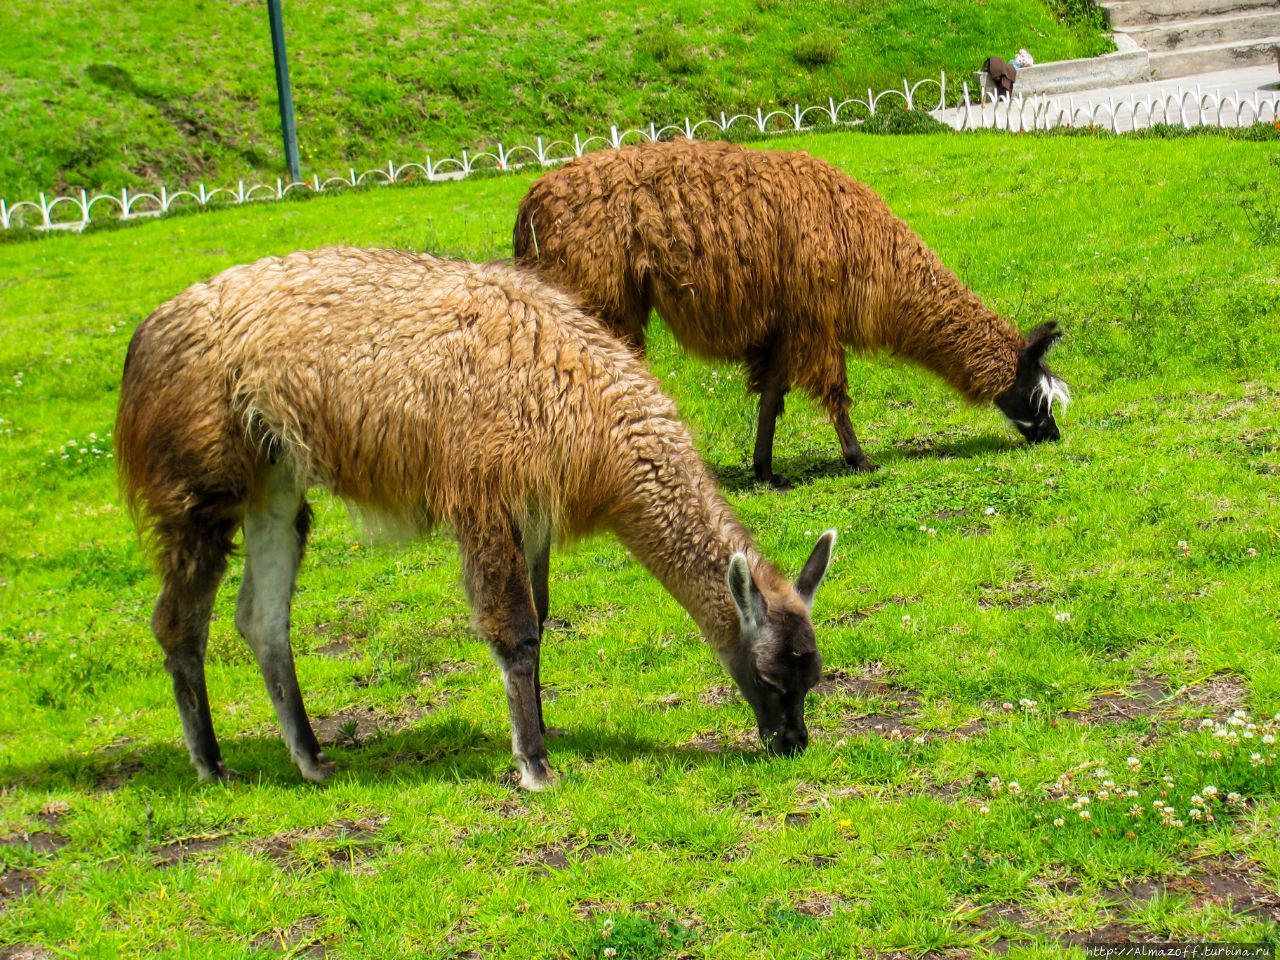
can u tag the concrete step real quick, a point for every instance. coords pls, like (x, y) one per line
(1131, 13)
(1219, 56)
(1182, 34)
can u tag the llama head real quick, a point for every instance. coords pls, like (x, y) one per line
(1029, 402)
(776, 661)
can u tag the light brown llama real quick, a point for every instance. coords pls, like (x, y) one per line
(430, 391)
(779, 261)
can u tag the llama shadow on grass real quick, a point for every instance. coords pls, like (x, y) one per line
(445, 750)
(818, 465)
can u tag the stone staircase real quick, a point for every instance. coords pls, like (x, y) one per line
(1184, 37)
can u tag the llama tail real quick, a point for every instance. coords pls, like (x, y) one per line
(524, 241)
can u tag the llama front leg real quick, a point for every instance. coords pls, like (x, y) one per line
(275, 534)
(771, 405)
(498, 584)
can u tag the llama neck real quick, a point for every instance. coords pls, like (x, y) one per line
(945, 327)
(679, 527)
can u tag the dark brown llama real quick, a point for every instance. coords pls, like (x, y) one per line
(781, 262)
(428, 391)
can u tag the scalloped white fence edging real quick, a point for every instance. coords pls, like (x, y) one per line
(1186, 108)
(77, 211)
(1181, 107)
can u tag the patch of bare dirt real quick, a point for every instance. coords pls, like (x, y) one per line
(852, 617)
(39, 841)
(669, 702)
(894, 722)
(354, 726)
(343, 843)
(717, 742)
(560, 856)
(445, 668)
(16, 883)
(185, 848)
(1149, 697)
(1003, 915)
(1020, 592)
(19, 952)
(335, 648)
(297, 940)
(718, 696)
(818, 905)
(838, 683)
(1221, 880)
(1221, 693)
(1142, 698)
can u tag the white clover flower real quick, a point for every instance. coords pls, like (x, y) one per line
(1131, 793)
(1234, 797)
(1134, 763)
(1085, 815)
(984, 809)
(1059, 822)
(1014, 788)
(1007, 707)
(1204, 725)
(1209, 790)
(918, 741)
(1268, 738)
(1063, 617)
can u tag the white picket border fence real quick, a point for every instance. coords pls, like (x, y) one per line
(76, 212)
(1187, 108)
(1181, 107)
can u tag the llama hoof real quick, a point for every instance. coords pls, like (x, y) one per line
(864, 466)
(317, 770)
(219, 774)
(536, 775)
(781, 484)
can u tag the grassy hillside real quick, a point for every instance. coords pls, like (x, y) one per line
(115, 93)
(1035, 616)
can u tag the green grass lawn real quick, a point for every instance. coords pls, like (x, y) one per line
(114, 93)
(996, 615)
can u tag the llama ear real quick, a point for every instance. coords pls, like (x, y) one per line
(743, 590)
(1040, 340)
(815, 568)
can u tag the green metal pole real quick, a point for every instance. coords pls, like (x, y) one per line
(288, 129)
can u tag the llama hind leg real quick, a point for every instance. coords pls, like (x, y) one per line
(275, 535)
(833, 391)
(537, 556)
(502, 601)
(849, 446)
(193, 560)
